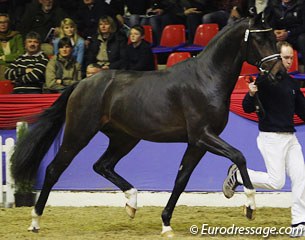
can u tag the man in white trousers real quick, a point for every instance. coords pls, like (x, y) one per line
(277, 141)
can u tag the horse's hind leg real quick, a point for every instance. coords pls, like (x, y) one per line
(120, 144)
(73, 143)
(190, 160)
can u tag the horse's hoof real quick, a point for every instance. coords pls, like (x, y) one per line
(249, 212)
(130, 211)
(33, 229)
(168, 234)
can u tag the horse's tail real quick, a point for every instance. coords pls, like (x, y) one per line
(31, 148)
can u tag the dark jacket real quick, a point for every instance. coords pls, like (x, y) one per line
(206, 6)
(280, 102)
(34, 19)
(140, 58)
(87, 18)
(116, 50)
(137, 6)
(292, 18)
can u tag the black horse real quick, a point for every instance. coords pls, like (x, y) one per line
(188, 102)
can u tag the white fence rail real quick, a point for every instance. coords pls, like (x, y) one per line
(6, 184)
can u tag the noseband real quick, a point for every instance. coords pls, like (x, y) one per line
(269, 58)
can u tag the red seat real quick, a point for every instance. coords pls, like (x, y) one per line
(295, 64)
(176, 57)
(148, 33)
(248, 69)
(204, 33)
(173, 36)
(6, 87)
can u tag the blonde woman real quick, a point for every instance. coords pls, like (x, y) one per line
(68, 29)
(108, 47)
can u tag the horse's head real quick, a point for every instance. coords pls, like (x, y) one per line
(260, 48)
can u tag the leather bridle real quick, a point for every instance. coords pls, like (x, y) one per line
(269, 58)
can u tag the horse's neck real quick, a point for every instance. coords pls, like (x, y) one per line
(225, 55)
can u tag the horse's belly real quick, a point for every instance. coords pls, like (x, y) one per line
(149, 132)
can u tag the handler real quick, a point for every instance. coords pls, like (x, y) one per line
(277, 141)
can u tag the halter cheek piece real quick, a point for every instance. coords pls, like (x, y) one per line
(269, 58)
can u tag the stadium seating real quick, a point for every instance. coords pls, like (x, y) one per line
(6, 87)
(204, 33)
(176, 57)
(173, 37)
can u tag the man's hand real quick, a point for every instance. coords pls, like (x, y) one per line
(28, 70)
(252, 89)
(191, 11)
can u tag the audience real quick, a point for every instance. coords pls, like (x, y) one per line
(68, 29)
(14, 8)
(136, 12)
(108, 47)
(41, 17)
(11, 43)
(163, 13)
(139, 55)
(27, 72)
(92, 69)
(62, 70)
(88, 15)
(287, 17)
(194, 10)
(222, 14)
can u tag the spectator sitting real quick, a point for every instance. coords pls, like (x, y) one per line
(28, 70)
(42, 17)
(62, 70)
(92, 69)
(108, 47)
(139, 55)
(11, 44)
(163, 13)
(194, 11)
(68, 29)
(222, 14)
(88, 15)
(136, 12)
(287, 17)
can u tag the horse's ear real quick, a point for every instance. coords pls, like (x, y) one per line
(257, 19)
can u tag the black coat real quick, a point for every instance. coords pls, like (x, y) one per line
(140, 58)
(116, 50)
(292, 19)
(87, 18)
(34, 19)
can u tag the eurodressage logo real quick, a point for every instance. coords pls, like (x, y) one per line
(265, 232)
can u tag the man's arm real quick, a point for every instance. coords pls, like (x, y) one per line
(36, 73)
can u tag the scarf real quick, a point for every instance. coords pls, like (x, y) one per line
(8, 35)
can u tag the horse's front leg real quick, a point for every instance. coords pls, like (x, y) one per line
(190, 160)
(216, 145)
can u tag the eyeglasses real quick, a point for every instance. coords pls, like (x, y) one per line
(3, 22)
